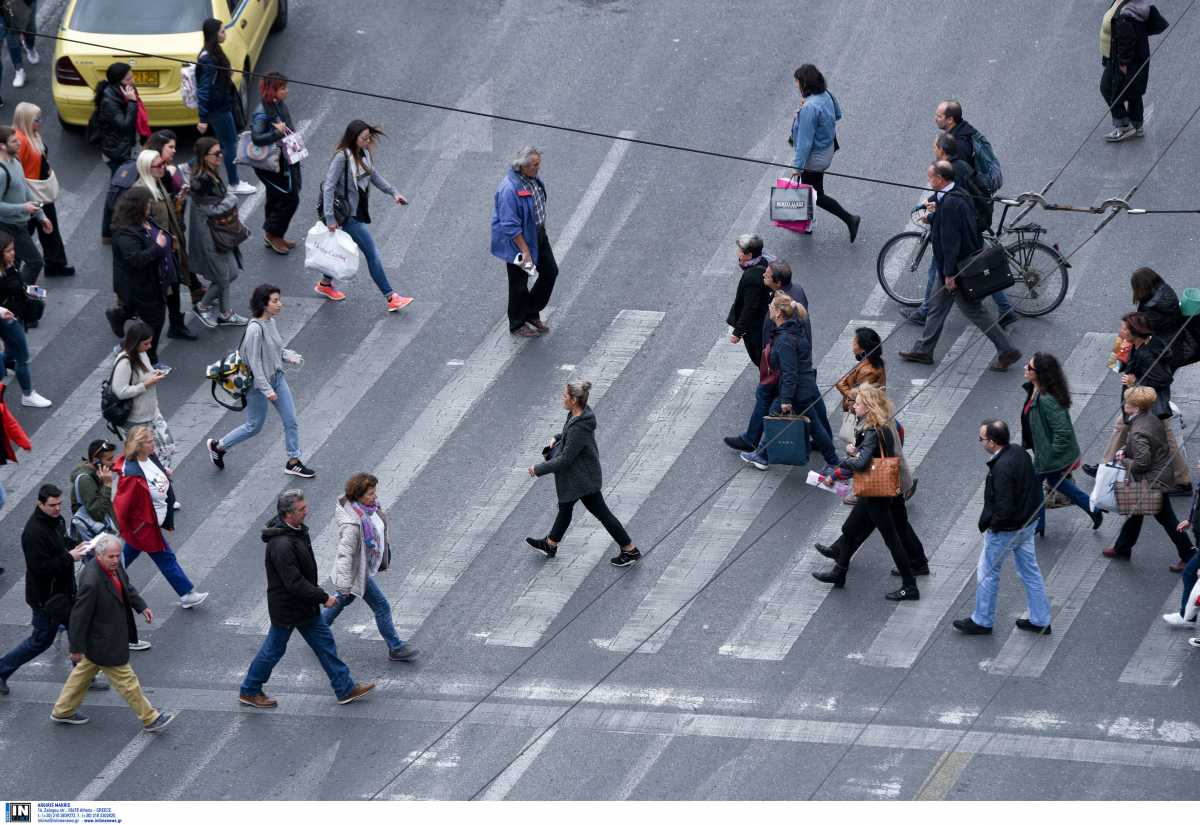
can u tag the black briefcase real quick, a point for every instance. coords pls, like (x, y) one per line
(984, 273)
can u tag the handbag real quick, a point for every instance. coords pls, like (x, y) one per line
(1138, 498)
(83, 526)
(251, 154)
(792, 205)
(46, 188)
(227, 230)
(113, 409)
(341, 201)
(293, 146)
(786, 439)
(882, 478)
(232, 377)
(985, 273)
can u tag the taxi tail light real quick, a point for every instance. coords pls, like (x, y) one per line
(66, 73)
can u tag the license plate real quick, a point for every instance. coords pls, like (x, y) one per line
(145, 78)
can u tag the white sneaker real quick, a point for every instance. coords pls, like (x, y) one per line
(1119, 134)
(140, 644)
(1175, 620)
(31, 54)
(178, 506)
(192, 599)
(34, 400)
(243, 188)
(18, 78)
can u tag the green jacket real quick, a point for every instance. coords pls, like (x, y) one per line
(1050, 434)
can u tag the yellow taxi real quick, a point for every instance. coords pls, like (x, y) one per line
(169, 28)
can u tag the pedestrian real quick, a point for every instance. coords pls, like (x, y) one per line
(1154, 298)
(140, 250)
(16, 313)
(1125, 31)
(145, 508)
(519, 239)
(795, 391)
(1190, 597)
(573, 458)
(948, 118)
(353, 185)
(1147, 458)
(749, 308)
(135, 378)
(18, 207)
(269, 124)
(16, 17)
(363, 552)
(877, 437)
(869, 370)
(35, 163)
(164, 142)
(211, 198)
(1047, 431)
(294, 602)
(217, 95)
(1012, 497)
(814, 138)
(116, 115)
(152, 170)
(97, 634)
(954, 239)
(49, 580)
(263, 349)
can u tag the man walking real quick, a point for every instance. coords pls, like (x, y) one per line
(1012, 498)
(519, 239)
(100, 639)
(949, 118)
(749, 308)
(294, 602)
(954, 239)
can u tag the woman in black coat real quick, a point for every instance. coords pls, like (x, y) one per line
(141, 263)
(269, 124)
(574, 459)
(1155, 299)
(116, 114)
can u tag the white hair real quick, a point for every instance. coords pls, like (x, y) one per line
(523, 156)
(750, 243)
(104, 541)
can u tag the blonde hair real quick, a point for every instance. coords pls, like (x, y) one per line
(878, 405)
(1141, 397)
(135, 437)
(145, 159)
(785, 306)
(23, 117)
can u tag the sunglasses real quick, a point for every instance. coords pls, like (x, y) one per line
(216, 153)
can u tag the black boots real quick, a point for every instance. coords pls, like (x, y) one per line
(836, 576)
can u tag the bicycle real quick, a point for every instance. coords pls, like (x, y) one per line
(1038, 269)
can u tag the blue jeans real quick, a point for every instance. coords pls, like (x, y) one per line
(995, 547)
(1189, 575)
(818, 433)
(763, 396)
(16, 353)
(38, 643)
(358, 230)
(1067, 488)
(1002, 302)
(166, 563)
(256, 417)
(319, 638)
(379, 606)
(224, 130)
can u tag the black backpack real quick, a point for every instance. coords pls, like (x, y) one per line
(115, 410)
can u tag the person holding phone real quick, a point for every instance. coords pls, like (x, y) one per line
(18, 206)
(15, 310)
(135, 378)
(116, 115)
(140, 250)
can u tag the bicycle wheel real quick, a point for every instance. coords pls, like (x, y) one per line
(903, 269)
(1041, 278)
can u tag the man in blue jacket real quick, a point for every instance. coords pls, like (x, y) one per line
(519, 239)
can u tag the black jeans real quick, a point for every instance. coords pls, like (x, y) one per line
(525, 304)
(594, 502)
(53, 251)
(283, 198)
(890, 517)
(1132, 528)
(1126, 108)
(817, 181)
(27, 252)
(753, 348)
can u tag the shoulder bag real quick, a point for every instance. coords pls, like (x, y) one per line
(882, 478)
(45, 189)
(83, 526)
(113, 409)
(251, 154)
(227, 230)
(341, 201)
(232, 377)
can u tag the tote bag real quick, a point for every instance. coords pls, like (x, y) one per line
(882, 478)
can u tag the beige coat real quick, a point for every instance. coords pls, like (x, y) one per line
(350, 566)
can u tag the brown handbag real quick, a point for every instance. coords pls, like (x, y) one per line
(1138, 498)
(882, 478)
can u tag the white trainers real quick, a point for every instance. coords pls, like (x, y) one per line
(1175, 620)
(31, 54)
(18, 78)
(192, 599)
(1120, 133)
(140, 644)
(243, 188)
(34, 400)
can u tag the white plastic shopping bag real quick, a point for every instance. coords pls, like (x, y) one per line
(1104, 494)
(331, 253)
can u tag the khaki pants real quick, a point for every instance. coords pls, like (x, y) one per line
(123, 679)
(1179, 468)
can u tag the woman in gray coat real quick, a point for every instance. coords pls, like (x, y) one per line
(210, 197)
(574, 460)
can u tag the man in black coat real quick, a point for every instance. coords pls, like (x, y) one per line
(955, 239)
(948, 117)
(1126, 64)
(750, 303)
(294, 602)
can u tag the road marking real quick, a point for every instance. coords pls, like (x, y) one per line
(1163, 653)
(737, 509)
(636, 773)
(724, 258)
(307, 783)
(116, 767)
(944, 776)
(592, 195)
(503, 784)
(211, 752)
(673, 423)
(782, 612)
(62, 305)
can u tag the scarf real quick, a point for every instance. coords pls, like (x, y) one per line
(142, 122)
(370, 538)
(764, 258)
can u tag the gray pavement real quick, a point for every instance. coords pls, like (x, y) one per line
(766, 686)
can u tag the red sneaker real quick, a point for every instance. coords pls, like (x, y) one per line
(329, 292)
(396, 302)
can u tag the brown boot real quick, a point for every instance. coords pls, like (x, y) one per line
(276, 245)
(260, 701)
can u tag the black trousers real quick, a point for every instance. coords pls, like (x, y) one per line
(753, 348)
(1126, 108)
(53, 251)
(283, 198)
(890, 517)
(594, 502)
(817, 181)
(153, 314)
(1132, 528)
(525, 304)
(27, 251)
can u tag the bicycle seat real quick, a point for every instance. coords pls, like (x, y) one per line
(1028, 227)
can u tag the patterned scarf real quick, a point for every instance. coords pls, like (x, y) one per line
(764, 258)
(369, 536)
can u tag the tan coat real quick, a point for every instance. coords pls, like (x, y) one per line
(864, 372)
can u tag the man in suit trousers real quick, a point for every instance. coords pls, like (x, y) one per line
(100, 639)
(954, 238)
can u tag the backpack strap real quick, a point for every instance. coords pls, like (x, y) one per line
(7, 181)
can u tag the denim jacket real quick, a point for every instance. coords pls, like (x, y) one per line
(813, 131)
(514, 214)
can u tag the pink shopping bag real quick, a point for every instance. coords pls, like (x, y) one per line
(792, 205)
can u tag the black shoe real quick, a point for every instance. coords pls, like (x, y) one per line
(911, 491)
(542, 546)
(835, 575)
(904, 594)
(626, 558)
(916, 571)
(917, 357)
(1090, 469)
(116, 321)
(738, 443)
(61, 272)
(295, 467)
(1097, 519)
(826, 551)
(181, 332)
(852, 225)
(913, 316)
(1025, 624)
(3, 686)
(969, 627)
(216, 453)
(1180, 490)
(404, 653)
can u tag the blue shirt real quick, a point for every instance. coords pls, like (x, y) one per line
(515, 213)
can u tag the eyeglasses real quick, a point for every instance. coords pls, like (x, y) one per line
(982, 439)
(1030, 368)
(216, 153)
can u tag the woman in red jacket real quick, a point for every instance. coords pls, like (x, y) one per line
(145, 507)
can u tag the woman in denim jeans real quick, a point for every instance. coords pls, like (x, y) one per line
(363, 552)
(14, 302)
(216, 94)
(263, 349)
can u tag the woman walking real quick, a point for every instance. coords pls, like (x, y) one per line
(1189, 599)
(145, 507)
(141, 255)
(16, 310)
(349, 178)
(877, 438)
(263, 349)
(868, 352)
(217, 94)
(1046, 429)
(117, 104)
(1154, 298)
(814, 137)
(27, 122)
(574, 460)
(152, 171)
(363, 552)
(269, 124)
(211, 198)
(135, 378)
(1147, 458)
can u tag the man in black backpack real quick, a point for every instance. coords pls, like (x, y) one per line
(948, 117)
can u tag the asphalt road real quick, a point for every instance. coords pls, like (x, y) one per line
(766, 686)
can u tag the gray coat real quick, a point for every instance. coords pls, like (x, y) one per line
(98, 628)
(575, 459)
(209, 198)
(1147, 453)
(355, 180)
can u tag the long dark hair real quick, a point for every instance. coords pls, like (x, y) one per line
(211, 29)
(260, 297)
(1144, 281)
(130, 209)
(811, 81)
(5, 240)
(113, 76)
(136, 331)
(202, 147)
(350, 139)
(1050, 378)
(872, 346)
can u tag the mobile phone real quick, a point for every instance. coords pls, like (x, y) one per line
(35, 292)
(164, 370)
